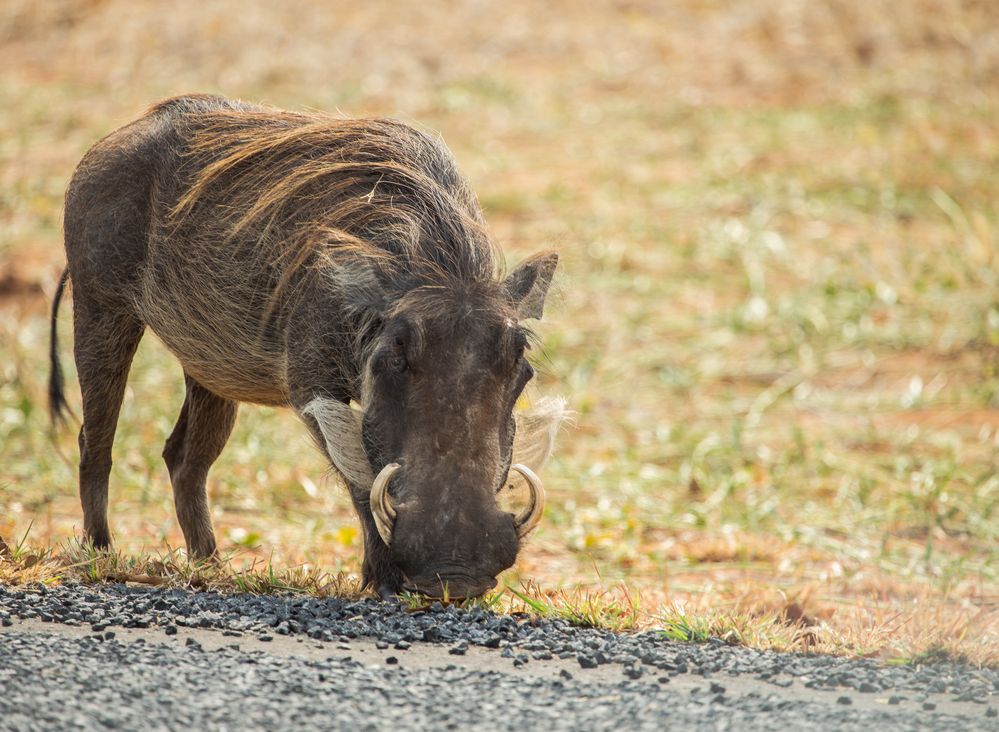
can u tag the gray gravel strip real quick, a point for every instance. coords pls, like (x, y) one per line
(51, 683)
(650, 677)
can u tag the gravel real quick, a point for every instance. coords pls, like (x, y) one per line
(51, 682)
(103, 680)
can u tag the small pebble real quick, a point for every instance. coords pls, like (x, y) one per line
(170, 630)
(845, 701)
(266, 637)
(391, 660)
(929, 706)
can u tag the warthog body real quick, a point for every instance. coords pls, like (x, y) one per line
(310, 261)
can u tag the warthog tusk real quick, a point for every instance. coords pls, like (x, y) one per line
(531, 515)
(381, 505)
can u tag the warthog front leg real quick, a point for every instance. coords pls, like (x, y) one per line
(105, 341)
(205, 423)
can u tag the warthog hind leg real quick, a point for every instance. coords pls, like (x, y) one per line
(105, 341)
(205, 423)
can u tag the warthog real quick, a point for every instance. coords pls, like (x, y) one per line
(340, 267)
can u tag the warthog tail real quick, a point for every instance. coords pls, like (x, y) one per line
(58, 407)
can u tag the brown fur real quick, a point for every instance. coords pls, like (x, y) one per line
(277, 255)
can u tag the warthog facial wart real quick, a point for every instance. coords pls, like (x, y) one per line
(314, 262)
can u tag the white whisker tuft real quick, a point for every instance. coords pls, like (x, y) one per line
(341, 428)
(536, 431)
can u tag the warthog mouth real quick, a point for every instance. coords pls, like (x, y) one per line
(450, 587)
(385, 513)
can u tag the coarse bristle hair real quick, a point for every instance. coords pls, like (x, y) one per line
(372, 188)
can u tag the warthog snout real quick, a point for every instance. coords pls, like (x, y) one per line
(446, 548)
(385, 513)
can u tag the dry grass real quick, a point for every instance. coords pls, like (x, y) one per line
(780, 297)
(80, 562)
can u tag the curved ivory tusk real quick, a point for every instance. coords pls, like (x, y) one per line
(381, 505)
(531, 515)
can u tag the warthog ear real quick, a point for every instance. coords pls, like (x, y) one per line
(527, 286)
(360, 285)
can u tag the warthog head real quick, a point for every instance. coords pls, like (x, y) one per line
(437, 435)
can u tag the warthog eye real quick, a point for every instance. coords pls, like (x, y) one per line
(395, 360)
(522, 346)
(397, 363)
(526, 374)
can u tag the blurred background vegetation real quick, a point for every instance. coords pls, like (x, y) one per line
(778, 317)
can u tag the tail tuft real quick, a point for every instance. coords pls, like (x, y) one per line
(58, 407)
